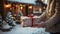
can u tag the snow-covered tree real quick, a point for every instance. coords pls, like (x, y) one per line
(1, 21)
(9, 19)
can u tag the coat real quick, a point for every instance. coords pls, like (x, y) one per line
(53, 23)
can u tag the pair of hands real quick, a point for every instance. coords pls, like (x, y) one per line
(39, 25)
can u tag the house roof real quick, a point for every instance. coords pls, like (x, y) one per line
(23, 1)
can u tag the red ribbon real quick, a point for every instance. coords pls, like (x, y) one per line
(31, 16)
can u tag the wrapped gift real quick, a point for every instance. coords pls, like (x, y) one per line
(26, 21)
(29, 21)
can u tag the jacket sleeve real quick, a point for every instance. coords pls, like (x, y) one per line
(42, 17)
(53, 20)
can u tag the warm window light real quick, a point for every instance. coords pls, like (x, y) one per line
(30, 7)
(16, 5)
(21, 7)
(40, 10)
(7, 6)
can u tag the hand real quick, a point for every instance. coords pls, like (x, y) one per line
(39, 25)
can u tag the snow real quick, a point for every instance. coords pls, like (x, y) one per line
(25, 30)
(24, 1)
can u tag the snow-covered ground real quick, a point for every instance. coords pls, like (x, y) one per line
(25, 30)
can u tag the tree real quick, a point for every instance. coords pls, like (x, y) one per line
(9, 19)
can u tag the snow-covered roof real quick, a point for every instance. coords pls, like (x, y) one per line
(24, 1)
